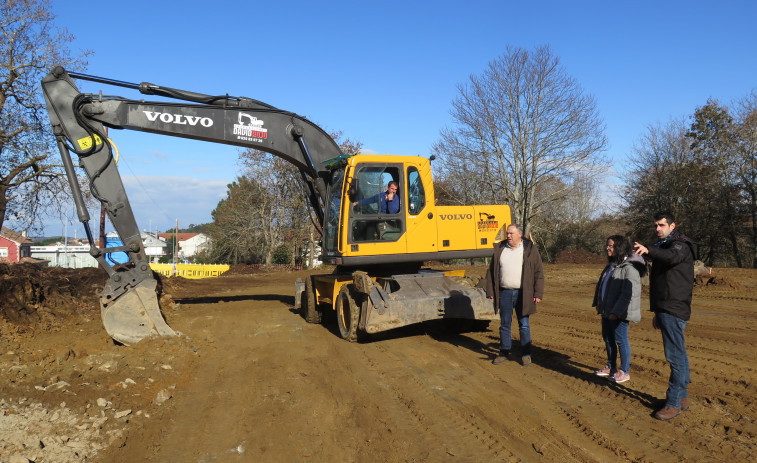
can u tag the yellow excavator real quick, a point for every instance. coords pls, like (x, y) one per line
(378, 214)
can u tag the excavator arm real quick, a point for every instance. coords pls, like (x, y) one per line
(129, 306)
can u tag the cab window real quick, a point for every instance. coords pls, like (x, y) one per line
(371, 185)
(374, 216)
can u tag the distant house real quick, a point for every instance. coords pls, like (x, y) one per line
(155, 246)
(190, 244)
(14, 247)
(194, 245)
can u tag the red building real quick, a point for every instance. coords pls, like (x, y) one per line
(14, 247)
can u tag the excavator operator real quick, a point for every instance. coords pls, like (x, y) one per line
(389, 201)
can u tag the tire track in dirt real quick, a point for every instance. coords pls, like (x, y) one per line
(538, 434)
(648, 363)
(430, 391)
(419, 393)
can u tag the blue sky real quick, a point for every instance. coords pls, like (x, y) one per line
(385, 73)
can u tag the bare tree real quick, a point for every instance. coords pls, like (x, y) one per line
(30, 46)
(653, 182)
(521, 123)
(285, 215)
(667, 174)
(282, 203)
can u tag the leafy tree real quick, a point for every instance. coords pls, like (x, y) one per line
(31, 45)
(282, 254)
(746, 166)
(48, 241)
(522, 123)
(713, 142)
(690, 170)
(235, 231)
(192, 228)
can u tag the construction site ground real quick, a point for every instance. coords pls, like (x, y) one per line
(250, 380)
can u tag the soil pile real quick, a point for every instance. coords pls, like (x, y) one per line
(34, 297)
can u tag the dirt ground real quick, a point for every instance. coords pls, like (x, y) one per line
(250, 380)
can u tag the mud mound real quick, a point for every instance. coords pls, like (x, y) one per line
(35, 295)
(170, 284)
(716, 282)
(248, 269)
(243, 269)
(579, 256)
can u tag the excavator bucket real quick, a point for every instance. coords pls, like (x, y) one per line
(135, 315)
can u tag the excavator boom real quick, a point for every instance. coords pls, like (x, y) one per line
(129, 305)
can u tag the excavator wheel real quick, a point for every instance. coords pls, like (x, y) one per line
(347, 313)
(309, 304)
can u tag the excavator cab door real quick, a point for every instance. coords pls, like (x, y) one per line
(333, 214)
(421, 217)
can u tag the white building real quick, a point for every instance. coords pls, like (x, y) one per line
(190, 244)
(61, 255)
(194, 245)
(65, 256)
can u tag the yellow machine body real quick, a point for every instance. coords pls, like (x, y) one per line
(419, 231)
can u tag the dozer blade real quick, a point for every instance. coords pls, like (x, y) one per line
(135, 315)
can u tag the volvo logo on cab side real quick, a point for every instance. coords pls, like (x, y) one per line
(179, 119)
(456, 216)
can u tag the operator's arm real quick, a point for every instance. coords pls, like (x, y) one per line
(371, 199)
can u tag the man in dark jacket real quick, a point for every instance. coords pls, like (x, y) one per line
(671, 283)
(515, 280)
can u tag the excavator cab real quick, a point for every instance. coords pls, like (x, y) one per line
(361, 229)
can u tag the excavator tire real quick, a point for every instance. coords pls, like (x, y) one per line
(347, 313)
(309, 304)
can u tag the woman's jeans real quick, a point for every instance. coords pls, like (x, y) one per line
(508, 299)
(673, 342)
(615, 334)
